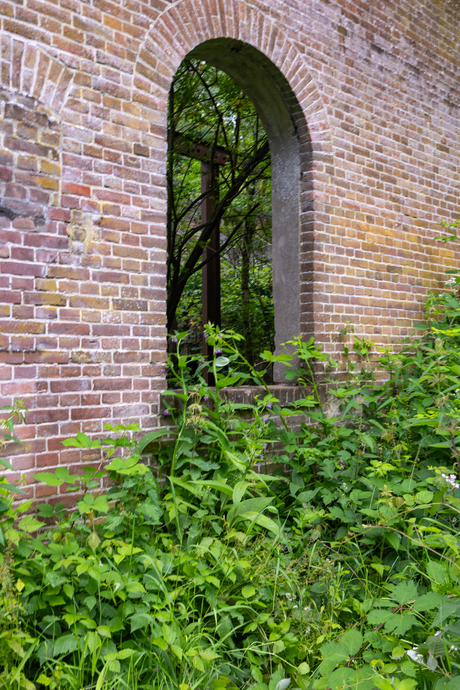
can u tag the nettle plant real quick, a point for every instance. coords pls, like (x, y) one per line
(200, 568)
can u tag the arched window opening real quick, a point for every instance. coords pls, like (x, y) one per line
(282, 122)
(219, 211)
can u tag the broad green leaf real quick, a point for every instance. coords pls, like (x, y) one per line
(128, 550)
(235, 460)
(81, 441)
(30, 524)
(13, 535)
(393, 539)
(166, 394)
(428, 602)
(140, 620)
(276, 678)
(262, 520)
(407, 684)
(169, 634)
(437, 572)
(254, 505)
(104, 631)
(24, 507)
(5, 463)
(90, 502)
(6, 486)
(198, 663)
(307, 496)
(55, 578)
(159, 642)
(352, 640)
(65, 644)
(177, 651)
(193, 487)
(100, 504)
(90, 602)
(152, 436)
(406, 591)
(383, 684)
(49, 478)
(248, 591)
(239, 491)
(95, 573)
(151, 511)
(445, 684)
(333, 653)
(220, 486)
(125, 653)
(68, 590)
(45, 510)
(208, 654)
(71, 442)
(341, 678)
(424, 496)
(123, 465)
(378, 616)
(135, 588)
(226, 381)
(436, 645)
(402, 625)
(84, 440)
(378, 567)
(283, 684)
(270, 357)
(15, 646)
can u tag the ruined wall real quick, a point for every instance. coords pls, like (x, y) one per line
(372, 89)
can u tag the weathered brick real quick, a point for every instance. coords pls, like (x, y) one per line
(130, 304)
(89, 302)
(82, 246)
(45, 298)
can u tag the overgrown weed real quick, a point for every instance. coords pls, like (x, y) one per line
(341, 569)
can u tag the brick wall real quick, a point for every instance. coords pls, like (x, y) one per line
(83, 98)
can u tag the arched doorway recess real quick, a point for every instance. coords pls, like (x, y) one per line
(259, 56)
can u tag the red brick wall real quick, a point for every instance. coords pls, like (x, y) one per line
(83, 97)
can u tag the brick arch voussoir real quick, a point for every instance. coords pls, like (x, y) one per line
(28, 70)
(188, 23)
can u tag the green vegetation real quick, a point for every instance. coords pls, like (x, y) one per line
(207, 107)
(338, 569)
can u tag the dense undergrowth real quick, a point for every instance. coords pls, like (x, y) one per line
(340, 569)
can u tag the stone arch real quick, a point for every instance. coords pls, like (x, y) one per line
(34, 89)
(258, 54)
(28, 70)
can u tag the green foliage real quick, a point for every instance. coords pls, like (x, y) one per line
(207, 106)
(9, 490)
(337, 567)
(16, 645)
(261, 318)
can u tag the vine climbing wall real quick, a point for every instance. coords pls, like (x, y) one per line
(372, 91)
